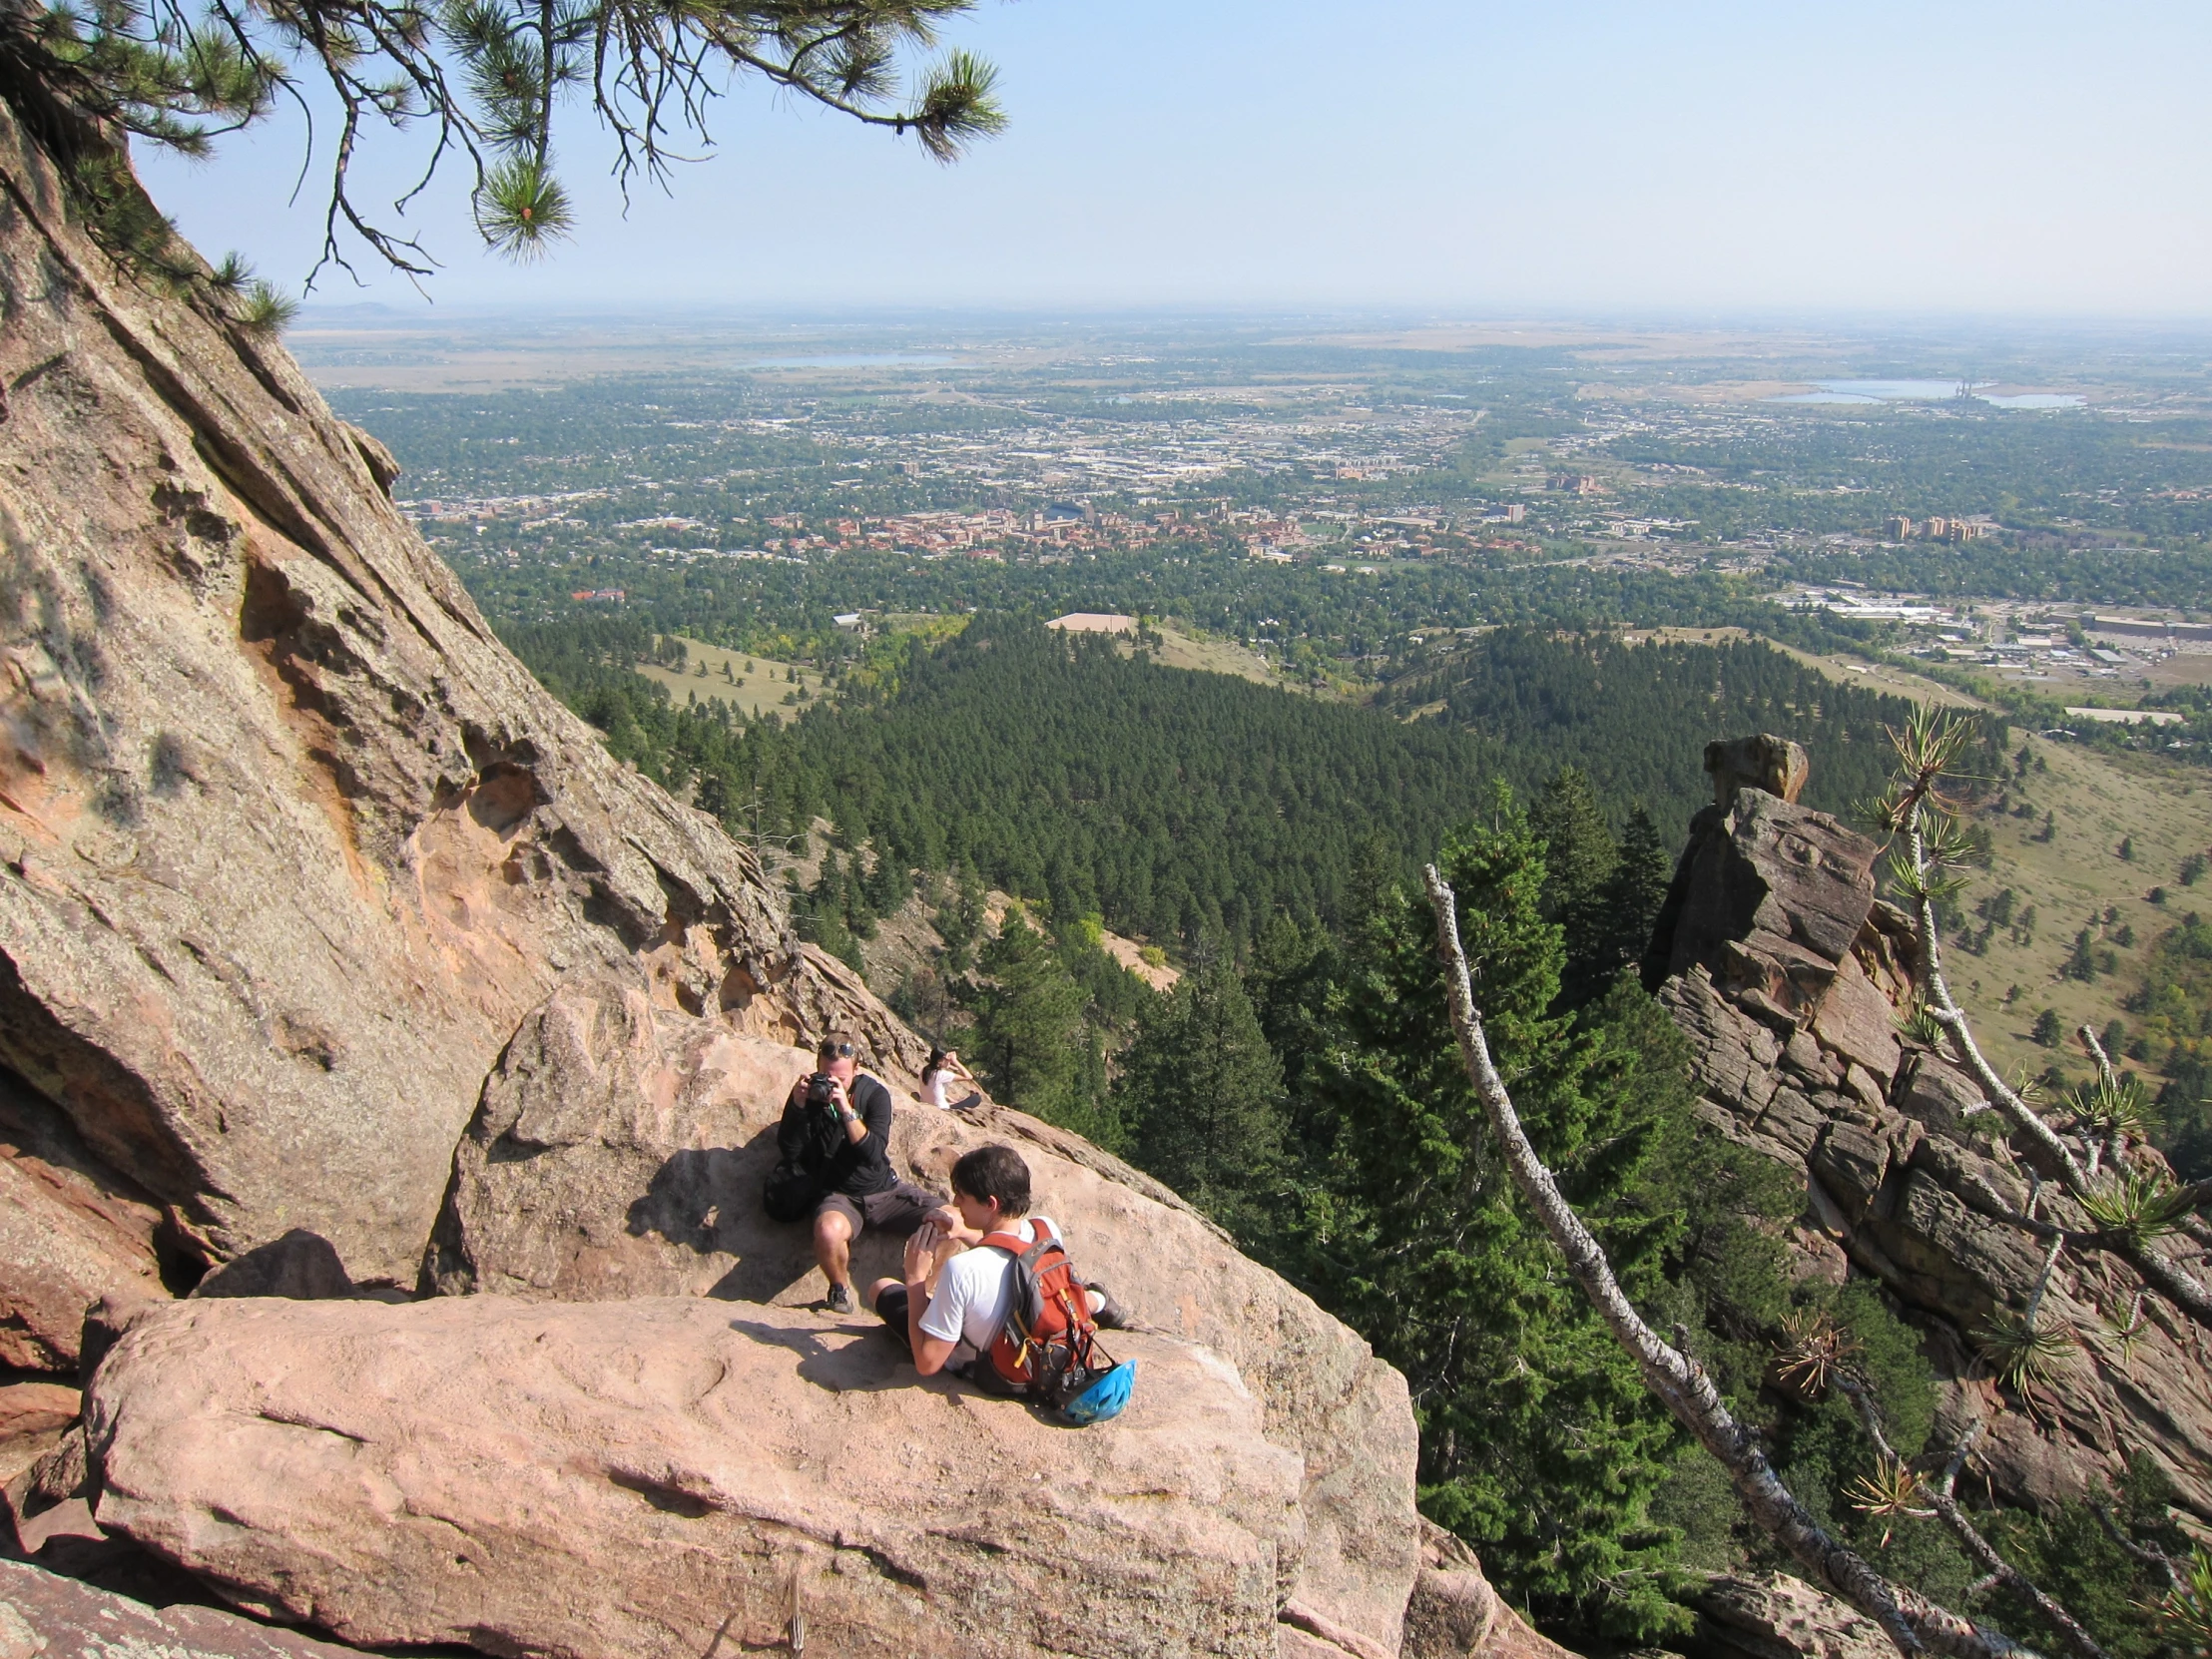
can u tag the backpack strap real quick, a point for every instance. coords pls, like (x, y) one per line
(1014, 1243)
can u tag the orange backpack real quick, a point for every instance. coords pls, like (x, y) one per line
(1046, 1347)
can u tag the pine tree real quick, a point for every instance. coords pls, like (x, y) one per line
(1578, 850)
(1202, 1095)
(2081, 962)
(1616, 930)
(1031, 1036)
(1538, 1443)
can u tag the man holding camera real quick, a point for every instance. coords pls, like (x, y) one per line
(836, 1136)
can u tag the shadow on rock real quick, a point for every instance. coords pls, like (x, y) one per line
(863, 1367)
(707, 1201)
(300, 1266)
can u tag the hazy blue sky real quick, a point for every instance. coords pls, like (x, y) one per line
(1945, 155)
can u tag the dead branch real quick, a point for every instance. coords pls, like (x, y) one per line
(1999, 1570)
(2156, 1269)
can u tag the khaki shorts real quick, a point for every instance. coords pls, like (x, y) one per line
(899, 1208)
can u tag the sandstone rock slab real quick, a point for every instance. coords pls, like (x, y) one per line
(628, 1481)
(69, 1229)
(46, 1616)
(1775, 1616)
(620, 1151)
(1455, 1614)
(32, 1418)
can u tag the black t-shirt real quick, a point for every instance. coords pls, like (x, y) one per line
(855, 1168)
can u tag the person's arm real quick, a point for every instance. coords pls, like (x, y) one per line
(851, 1121)
(947, 1220)
(874, 1121)
(922, 1260)
(790, 1133)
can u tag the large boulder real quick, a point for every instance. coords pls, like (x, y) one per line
(289, 843)
(1789, 980)
(33, 1417)
(625, 1481)
(1771, 1615)
(620, 1150)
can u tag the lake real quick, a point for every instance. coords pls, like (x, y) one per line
(1925, 391)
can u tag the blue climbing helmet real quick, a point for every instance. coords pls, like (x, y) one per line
(1103, 1399)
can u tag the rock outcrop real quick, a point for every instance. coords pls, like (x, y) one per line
(289, 843)
(623, 1480)
(1771, 1615)
(70, 1232)
(1790, 978)
(620, 1151)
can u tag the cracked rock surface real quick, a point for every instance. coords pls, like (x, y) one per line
(1788, 978)
(289, 843)
(629, 1480)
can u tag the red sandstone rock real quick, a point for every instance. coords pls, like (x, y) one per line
(626, 1481)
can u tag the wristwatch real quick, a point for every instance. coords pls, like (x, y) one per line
(846, 1114)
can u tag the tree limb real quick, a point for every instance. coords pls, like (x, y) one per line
(1984, 1553)
(2158, 1271)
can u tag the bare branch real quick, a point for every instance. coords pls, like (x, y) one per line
(1984, 1554)
(2156, 1269)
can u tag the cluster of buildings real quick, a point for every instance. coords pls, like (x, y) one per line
(1954, 530)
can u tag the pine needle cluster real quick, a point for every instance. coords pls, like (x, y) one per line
(487, 78)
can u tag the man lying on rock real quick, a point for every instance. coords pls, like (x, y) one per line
(959, 1321)
(833, 1164)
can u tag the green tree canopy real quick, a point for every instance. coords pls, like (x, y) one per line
(1201, 1092)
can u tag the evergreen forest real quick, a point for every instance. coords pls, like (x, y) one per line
(1176, 805)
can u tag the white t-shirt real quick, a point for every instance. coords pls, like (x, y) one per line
(936, 1090)
(970, 1299)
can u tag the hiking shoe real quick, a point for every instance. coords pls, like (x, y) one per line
(842, 1299)
(1111, 1316)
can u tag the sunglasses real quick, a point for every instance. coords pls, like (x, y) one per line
(843, 1051)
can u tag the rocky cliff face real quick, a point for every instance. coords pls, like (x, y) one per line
(289, 844)
(1788, 977)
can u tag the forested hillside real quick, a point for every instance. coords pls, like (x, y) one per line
(1636, 718)
(1177, 804)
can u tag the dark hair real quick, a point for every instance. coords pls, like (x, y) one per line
(994, 1172)
(832, 1041)
(936, 1060)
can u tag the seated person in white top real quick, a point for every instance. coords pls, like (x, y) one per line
(941, 1076)
(960, 1320)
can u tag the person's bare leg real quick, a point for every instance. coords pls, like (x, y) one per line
(876, 1290)
(833, 1247)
